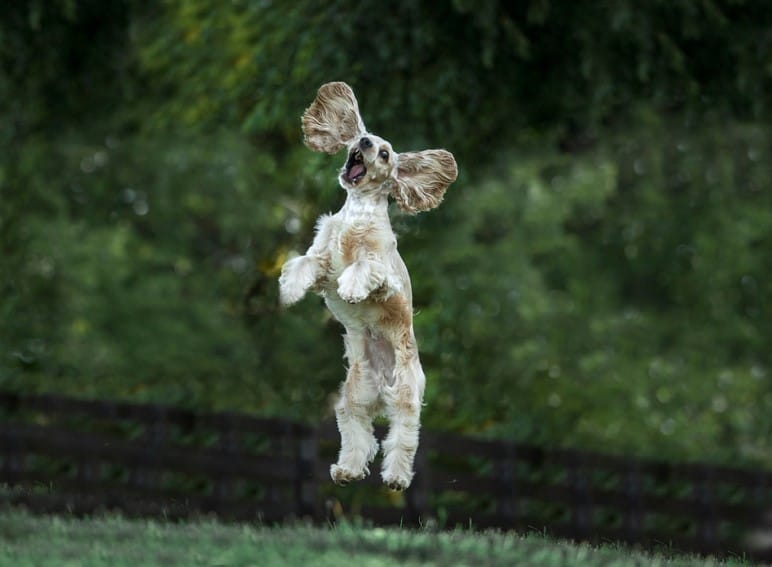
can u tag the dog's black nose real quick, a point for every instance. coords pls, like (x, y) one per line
(365, 143)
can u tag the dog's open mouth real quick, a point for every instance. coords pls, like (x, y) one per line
(355, 167)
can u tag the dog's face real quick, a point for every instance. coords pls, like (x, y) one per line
(370, 163)
(416, 180)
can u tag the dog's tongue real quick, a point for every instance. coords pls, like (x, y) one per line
(356, 170)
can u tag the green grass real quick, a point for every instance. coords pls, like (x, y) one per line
(27, 540)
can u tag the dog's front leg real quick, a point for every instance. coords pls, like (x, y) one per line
(360, 279)
(302, 273)
(298, 276)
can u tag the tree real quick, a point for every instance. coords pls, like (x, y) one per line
(596, 275)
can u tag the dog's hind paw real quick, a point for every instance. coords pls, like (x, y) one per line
(342, 476)
(396, 482)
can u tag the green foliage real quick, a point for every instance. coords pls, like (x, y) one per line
(114, 541)
(596, 276)
(487, 67)
(60, 60)
(612, 295)
(153, 258)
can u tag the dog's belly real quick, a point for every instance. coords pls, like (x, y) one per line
(386, 327)
(354, 316)
(391, 317)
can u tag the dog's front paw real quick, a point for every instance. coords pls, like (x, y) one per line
(351, 290)
(359, 280)
(290, 292)
(342, 476)
(297, 276)
(391, 286)
(352, 294)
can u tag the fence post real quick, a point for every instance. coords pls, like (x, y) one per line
(706, 523)
(507, 505)
(306, 484)
(581, 508)
(89, 468)
(229, 442)
(416, 495)
(13, 462)
(633, 489)
(144, 475)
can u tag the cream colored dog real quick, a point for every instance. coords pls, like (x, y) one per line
(354, 264)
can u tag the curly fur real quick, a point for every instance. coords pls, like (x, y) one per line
(354, 264)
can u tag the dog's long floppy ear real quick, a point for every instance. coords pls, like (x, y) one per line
(332, 121)
(421, 179)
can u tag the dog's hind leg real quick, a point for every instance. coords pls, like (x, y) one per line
(403, 401)
(354, 413)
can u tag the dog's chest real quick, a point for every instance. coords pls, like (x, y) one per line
(352, 242)
(359, 239)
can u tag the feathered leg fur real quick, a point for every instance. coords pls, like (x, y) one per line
(354, 410)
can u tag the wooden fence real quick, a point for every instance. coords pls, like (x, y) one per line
(60, 454)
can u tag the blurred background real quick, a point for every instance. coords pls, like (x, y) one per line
(598, 276)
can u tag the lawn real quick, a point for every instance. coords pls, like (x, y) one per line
(113, 541)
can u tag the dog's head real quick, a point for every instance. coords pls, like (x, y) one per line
(416, 180)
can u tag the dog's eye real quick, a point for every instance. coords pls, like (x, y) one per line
(384, 155)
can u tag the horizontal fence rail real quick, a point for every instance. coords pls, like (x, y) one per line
(60, 454)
